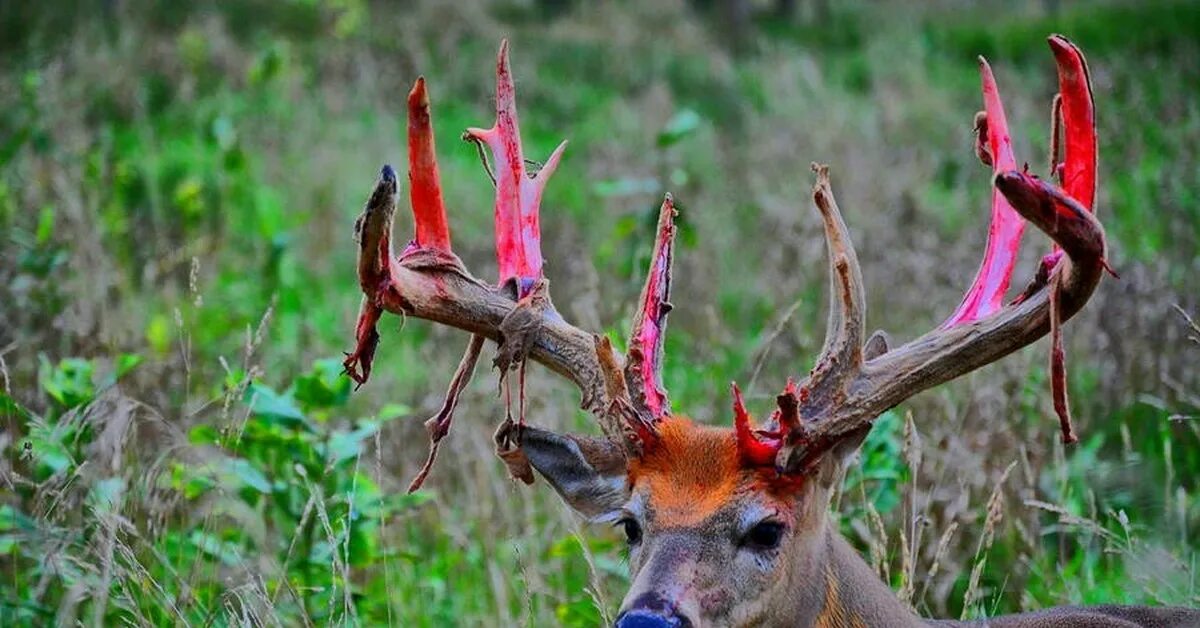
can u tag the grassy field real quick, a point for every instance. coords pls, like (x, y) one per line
(178, 185)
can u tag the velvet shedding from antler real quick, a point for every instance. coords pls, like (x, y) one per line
(847, 389)
(853, 380)
(427, 280)
(518, 194)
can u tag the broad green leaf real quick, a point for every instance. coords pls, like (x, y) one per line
(273, 406)
(69, 382)
(8, 405)
(248, 475)
(345, 445)
(324, 386)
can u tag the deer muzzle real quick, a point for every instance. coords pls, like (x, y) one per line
(651, 610)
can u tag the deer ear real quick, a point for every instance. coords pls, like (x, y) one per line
(588, 473)
(833, 463)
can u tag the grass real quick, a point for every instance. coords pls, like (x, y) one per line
(177, 190)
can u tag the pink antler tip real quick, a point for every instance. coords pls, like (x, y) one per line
(986, 294)
(429, 212)
(1079, 122)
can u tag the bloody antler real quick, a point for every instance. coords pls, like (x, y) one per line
(853, 381)
(986, 294)
(518, 195)
(429, 213)
(1078, 174)
(429, 281)
(847, 388)
(646, 340)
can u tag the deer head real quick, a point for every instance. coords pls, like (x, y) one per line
(726, 526)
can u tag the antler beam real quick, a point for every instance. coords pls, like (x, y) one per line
(981, 330)
(434, 285)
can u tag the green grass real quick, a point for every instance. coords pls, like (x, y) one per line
(177, 192)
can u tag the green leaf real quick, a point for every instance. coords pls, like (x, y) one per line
(69, 382)
(345, 445)
(274, 407)
(196, 486)
(126, 362)
(224, 551)
(8, 405)
(190, 481)
(361, 546)
(158, 334)
(204, 434)
(324, 386)
(8, 518)
(681, 125)
(393, 411)
(45, 226)
(122, 365)
(248, 475)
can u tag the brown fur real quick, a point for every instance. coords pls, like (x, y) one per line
(693, 471)
(695, 485)
(690, 473)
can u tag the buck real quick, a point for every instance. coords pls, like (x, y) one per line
(730, 527)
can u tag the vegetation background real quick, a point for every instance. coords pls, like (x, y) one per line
(178, 184)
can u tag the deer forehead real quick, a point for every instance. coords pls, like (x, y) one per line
(694, 473)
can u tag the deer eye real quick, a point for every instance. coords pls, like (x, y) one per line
(633, 531)
(765, 535)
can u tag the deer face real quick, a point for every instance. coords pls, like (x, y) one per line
(714, 539)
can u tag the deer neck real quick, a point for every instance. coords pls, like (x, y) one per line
(847, 593)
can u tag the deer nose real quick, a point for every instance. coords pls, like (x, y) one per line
(639, 618)
(651, 611)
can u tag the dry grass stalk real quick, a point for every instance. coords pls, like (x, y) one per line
(995, 512)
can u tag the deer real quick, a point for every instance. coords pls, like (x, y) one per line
(730, 526)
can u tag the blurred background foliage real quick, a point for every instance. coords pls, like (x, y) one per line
(178, 183)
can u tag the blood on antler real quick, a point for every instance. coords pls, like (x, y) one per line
(518, 194)
(427, 280)
(854, 379)
(847, 389)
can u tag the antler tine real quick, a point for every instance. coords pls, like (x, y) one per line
(644, 361)
(974, 337)
(986, 294)
(1079, 118)
(841, 354)
(429, 212)
(518, 196)
(373, 232)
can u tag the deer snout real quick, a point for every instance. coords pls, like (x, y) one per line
(652, 611)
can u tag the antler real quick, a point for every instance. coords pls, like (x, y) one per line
(429, 281)
(850, 385)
